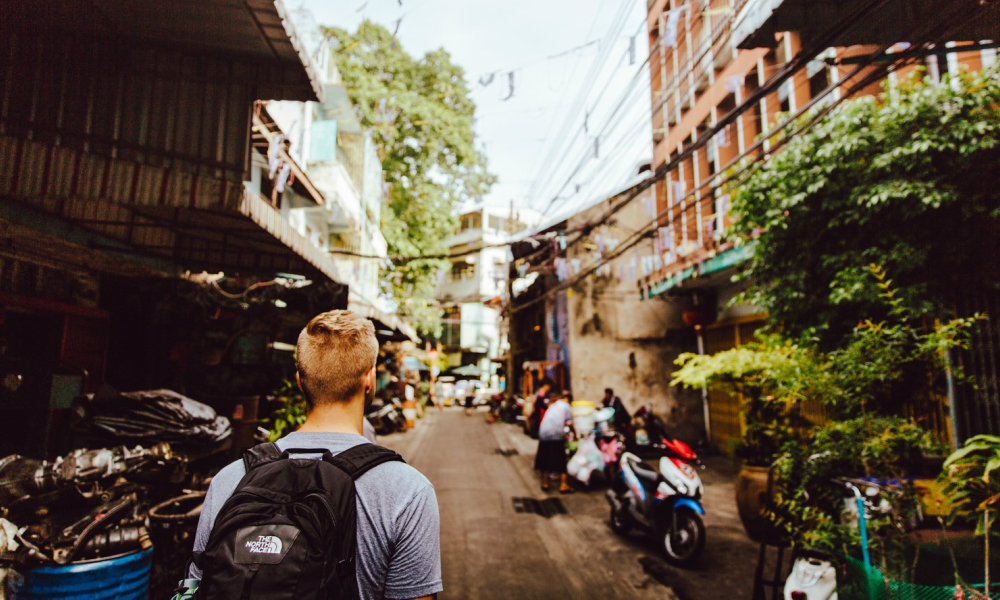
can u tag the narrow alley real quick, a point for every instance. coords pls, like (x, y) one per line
(490, 550)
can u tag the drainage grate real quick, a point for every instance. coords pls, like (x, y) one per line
(547, 507)
(506, 451)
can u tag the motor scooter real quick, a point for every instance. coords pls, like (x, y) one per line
(386, 416)
(813, 577)
(665, 502)
(512, 410)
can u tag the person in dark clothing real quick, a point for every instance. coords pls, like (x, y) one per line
(538, 407)
(622, 418)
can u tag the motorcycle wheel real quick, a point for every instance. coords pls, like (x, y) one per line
(619, 521)
(683, 546)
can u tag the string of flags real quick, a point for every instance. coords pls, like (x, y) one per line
(510, 85)
(487, 79)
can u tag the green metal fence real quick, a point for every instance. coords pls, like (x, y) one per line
(861, 583)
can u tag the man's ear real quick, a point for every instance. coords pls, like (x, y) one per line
(298, 381)
(370, 378)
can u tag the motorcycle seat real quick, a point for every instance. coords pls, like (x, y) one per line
(644, 472)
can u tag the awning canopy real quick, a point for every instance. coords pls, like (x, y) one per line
(467, 371)
(757, 21)
(197, 223)
(259, 30)
(713, 271)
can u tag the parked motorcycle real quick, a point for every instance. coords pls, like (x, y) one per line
(512, 410)
(386, 416)
(665, 502)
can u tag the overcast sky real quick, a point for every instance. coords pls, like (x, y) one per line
(556, 48)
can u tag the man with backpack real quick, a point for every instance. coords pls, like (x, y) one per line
(323, 514)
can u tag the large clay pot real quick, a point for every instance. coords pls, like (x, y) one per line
(751, 501)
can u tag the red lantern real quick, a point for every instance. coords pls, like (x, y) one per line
(698, 316)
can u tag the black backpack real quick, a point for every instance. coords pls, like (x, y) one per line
(289, 531)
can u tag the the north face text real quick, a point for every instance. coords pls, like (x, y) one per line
(265, 544)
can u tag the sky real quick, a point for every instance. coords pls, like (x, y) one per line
(568, 58)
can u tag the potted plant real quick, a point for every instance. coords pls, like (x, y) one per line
(771, 378)
(971, 478)
(291, 412)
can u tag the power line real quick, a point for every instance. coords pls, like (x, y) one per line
(675, 85)
(535, 188)
(877, 74)
(583, 129)
(772, 84)
(586, 86)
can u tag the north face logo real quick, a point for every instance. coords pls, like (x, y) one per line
(265, 544)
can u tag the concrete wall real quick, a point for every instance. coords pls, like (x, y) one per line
(617, 339)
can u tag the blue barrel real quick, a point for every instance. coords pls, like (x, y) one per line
(124, 577)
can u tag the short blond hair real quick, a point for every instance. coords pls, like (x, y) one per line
(334, 352)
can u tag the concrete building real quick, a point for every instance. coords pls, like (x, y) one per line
(707, 58)
(471, 289)
(330, 149)
(616, 339)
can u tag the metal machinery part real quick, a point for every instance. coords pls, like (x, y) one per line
(83, 505)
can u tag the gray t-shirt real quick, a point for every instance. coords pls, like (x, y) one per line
(553, 426)
(399, 543)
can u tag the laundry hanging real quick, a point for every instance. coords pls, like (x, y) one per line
(670, 29)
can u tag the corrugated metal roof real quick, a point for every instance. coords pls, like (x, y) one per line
(196, 221)
(254, 29)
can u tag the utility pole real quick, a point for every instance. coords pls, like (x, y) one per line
(511, 342)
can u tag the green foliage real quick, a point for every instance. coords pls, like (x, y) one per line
(421, 115)
(972, 478)
(905, 180)
(810, 504)
(886, 361)
(879, 365)
(859, 386)
(292, 413)
(772, 379)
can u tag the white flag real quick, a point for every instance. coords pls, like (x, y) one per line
(722, 138)
(670, 29)
(733, 83)
(680, 189)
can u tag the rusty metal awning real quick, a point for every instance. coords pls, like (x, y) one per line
(195, 222)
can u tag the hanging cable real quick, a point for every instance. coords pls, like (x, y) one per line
(879, 73)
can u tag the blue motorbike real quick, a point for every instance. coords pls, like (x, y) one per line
(665, 502)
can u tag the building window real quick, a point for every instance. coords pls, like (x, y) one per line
(462, 271)
(470, 222)
(497, 223)
(785, 92)
(819, 78)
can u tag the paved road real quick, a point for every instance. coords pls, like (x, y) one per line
(490, 551)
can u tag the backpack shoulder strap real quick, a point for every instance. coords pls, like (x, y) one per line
(362, 458)
(260, 454)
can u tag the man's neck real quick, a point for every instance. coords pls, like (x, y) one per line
(336, 417)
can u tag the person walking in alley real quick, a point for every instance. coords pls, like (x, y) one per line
(356, 523)
(551, 456)
(622, 418)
